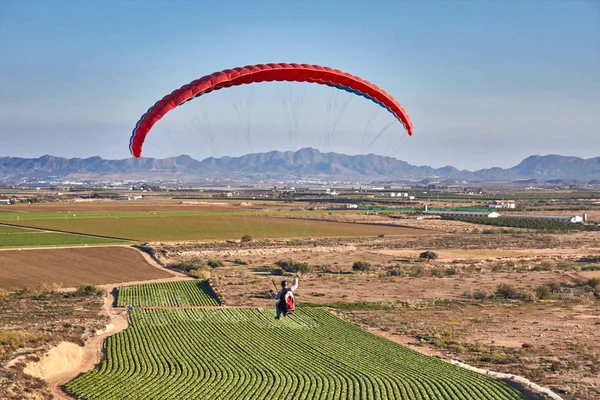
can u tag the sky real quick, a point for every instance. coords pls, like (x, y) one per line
(485, 83)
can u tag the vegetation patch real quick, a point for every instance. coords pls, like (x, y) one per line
(178, 293)
(325, 358)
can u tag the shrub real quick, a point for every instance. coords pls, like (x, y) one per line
(277, 272)
(528, 296)
(239, 262)
(305, 268)
(214, 263)
(416, 270)
(543, 292)
(436, 272)
(594, 283)
(202, 273)
(380, 235)
(450, 271)
(292, 266)
(479, 295)
(88, 290)
(246, 239)
(506, 291)
(428, 255)
(395, 272)
(361, 266)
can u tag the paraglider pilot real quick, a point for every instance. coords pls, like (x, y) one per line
(287, 301)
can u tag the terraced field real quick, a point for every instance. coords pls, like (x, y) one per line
(247, 354)
(178, 293)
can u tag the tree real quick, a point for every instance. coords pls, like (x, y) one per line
(246, 239)
(428, 255)
(361, 266)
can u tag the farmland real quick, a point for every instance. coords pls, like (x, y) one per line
(197, 226)
(428, 306)
(73, 267)
(19, 237)
(179, 293)
(327, 358)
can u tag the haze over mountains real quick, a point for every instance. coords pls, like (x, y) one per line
(306, 163)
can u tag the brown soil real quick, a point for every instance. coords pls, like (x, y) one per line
(142, 205)
(553, 344)
(70, 267)
(550, 342)
(89, 355)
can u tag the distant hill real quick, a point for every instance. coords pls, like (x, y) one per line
(306, 163)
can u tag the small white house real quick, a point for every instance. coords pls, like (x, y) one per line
(4, 201)
(502, 204)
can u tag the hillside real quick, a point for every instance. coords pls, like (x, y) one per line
(302, 164)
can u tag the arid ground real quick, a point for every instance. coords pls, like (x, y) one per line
(523, 302)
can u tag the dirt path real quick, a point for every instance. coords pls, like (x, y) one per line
(53, 369)
(92, 351)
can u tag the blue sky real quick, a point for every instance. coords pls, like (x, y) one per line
(486, 83)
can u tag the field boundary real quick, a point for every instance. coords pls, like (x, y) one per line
(67, 232)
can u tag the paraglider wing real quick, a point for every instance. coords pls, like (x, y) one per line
(264, 73)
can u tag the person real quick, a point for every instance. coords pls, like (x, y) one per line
(281, 307)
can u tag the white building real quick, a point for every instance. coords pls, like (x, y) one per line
(4, 201)
(502, 204)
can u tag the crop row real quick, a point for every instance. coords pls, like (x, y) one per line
(178, 293)
(247, 354)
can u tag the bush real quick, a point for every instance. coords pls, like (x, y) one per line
(292, 266)
(246, 239)
(395, 272)
(416, 271)
(305, 268)
(214, 263)
(428, 255)
(506, 291)
(594, 283)
(188, 266)
(201, 273)
(88, 290)
(239, 262)
(479, 295)
(528, 296)
(361, 266)
(277, 272)
(450, 271)
(436, 272)
(543, 292)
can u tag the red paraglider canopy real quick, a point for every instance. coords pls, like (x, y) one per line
(264, 73)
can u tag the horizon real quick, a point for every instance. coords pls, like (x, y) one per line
(494, 84)
(302, 149)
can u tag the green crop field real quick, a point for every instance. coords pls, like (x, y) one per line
(179, 293)
(18, 237)
(198, 226)
(247, 354)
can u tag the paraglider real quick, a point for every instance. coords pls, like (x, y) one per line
(281, 72)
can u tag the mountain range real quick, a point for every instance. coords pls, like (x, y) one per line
(307, 163)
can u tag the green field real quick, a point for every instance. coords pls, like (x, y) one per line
(247, 354)
(141, 226)
(179, 293)
(18, 237)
